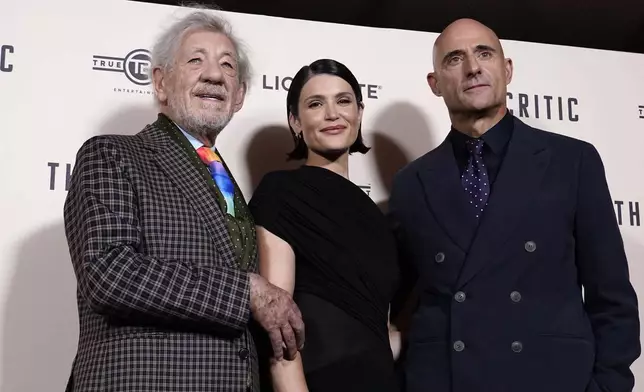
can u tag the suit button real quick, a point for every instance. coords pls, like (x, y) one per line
(440, 257)
(530, 246)
(459, 296)
(515, 296)
(517, 347)
(244, 353)
(459, 346)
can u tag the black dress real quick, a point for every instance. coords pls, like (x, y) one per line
(346, 275)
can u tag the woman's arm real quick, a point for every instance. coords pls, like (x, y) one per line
(277, 265)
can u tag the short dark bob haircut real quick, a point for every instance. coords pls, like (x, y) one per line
(320, 67)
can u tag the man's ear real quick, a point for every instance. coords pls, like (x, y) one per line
(509, 71)
(433, 84)
(159, 80)
(239, 97)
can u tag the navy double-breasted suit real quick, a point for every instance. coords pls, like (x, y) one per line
(535, 295)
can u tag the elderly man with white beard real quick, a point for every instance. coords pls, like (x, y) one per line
(161, 239)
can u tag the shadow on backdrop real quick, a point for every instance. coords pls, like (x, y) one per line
(40, 334)
(266, 152)
(401, 135)
(41, 321)
(128, 120)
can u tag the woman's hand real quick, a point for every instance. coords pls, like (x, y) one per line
(395, 341)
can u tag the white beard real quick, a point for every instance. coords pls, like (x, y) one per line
(198, 124)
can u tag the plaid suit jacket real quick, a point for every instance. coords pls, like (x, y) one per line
(162, 307)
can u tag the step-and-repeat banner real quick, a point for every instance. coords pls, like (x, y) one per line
(72, 69)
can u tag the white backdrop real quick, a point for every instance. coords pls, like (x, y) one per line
(52, 99)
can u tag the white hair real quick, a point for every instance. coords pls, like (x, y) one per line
(166, 47)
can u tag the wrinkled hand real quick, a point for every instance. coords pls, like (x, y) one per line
(275, 310)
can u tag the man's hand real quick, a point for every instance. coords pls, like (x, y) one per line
(277, 313)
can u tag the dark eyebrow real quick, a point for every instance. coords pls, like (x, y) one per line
(485, 48)
(479, 48)
(341, 94)
(453, 53)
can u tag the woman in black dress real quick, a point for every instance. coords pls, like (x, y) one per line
(323, 239)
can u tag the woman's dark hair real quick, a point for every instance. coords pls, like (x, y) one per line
(320, 67)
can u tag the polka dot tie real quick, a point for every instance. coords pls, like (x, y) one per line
(475, 179)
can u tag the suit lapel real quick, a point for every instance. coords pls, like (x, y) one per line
(245, 214)
(515, 188)
(441, 183)
(175, 163)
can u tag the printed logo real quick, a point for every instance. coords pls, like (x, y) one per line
(366, 188)
(641, 109)
(5, 61)
(548, 107)
(628, 212)
(369, 91)
(55, 180)
(135, 66)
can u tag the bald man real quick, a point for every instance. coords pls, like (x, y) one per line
(501, 227)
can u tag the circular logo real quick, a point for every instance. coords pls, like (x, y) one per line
(137, 65)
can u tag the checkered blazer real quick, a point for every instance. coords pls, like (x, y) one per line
(162, 306)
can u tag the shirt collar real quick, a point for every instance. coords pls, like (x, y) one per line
(496, 137)
(195, 143)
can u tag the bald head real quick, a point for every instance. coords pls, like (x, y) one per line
(471, 72)
(460, 30)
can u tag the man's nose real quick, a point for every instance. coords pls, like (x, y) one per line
(472, 66)
(213, 73)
